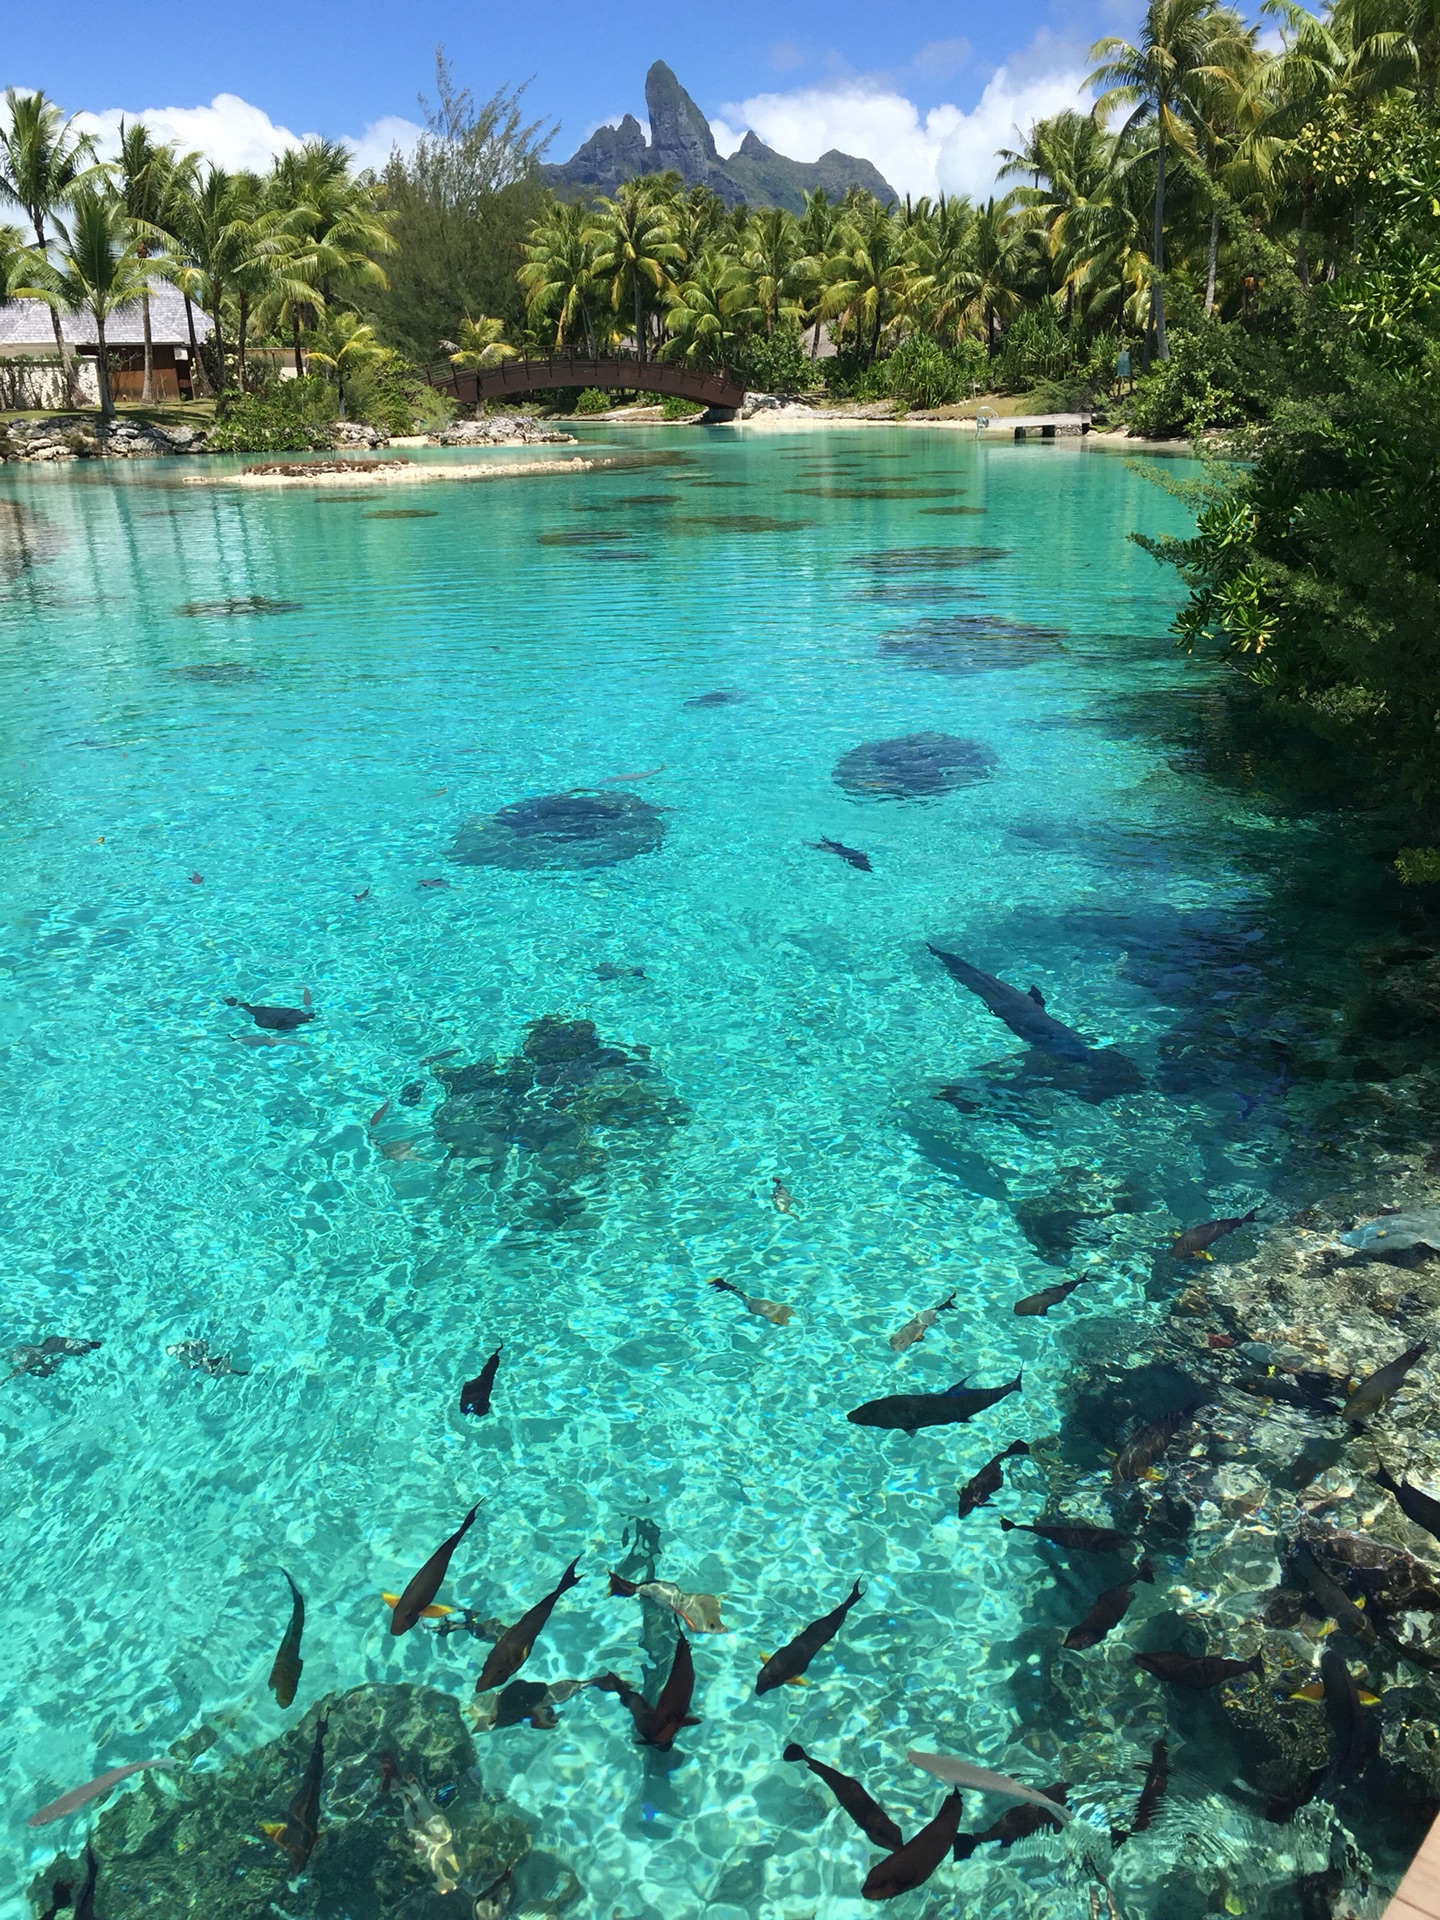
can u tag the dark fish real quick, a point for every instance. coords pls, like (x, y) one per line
(1016, 1823)
(44, 1359)
(62, 1899)
(530, 1700)
(1197, 1674)
(364, 894)
(412, 1093)
(911, 1411)
(1023, 1013)
(1077, 1536)
(285, 1674)
(85, 1898)
(721, 697)
(781, 1197)
(1048, 1297)
(297, 1833)
(612, 970)
(475, 1394)
(1416, 1506)
(1370, 1396)
(791, 1660)
(1331, 1595)
(276, 1019)
(426, 1583)
(1108, 1611)
(1157, 1781)
(1148, 1442)
(1351, 1727)
(378, 1115)
(657, 1726)
(433, 883)
(991, 1477)
(911, 1866)
(852, 856)
(445, 1053)
(197, 879)
(513, 1648)
(1194, 1240)
(851, 1797)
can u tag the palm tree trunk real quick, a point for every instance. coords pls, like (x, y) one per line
(1157, 255)
(639, 321)
(219, 339)
(199, 385)
(240, 339)
(815, 340)
(1214, 262)
(147, 385)
(67, 362)
(102, 368)
(1302, 261)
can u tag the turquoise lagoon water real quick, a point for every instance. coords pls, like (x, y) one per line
(168, 1175)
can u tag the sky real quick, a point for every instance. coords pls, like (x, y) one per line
(926, 92)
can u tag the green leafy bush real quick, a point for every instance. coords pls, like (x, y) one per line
(1033, 348)
(1218, 375)
(921, 373)
(777, 365)
(677, 407)
(592, 400)
(288, 416)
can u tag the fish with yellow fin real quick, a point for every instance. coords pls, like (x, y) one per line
(297, 1833)
(771, 1310)
(1315, 1690)
(433, 1612)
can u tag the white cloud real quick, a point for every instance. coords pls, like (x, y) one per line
(234, 134)
(946, 150)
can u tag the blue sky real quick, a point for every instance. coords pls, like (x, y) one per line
(926, 92)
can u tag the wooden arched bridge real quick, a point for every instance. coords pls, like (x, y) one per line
(624, 370)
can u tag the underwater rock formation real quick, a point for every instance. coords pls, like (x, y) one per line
(561, 1100)
(968, 643)
(561, 830)
(194, 1850)
(915, 766)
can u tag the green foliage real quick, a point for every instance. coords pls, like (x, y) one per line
(780, 364)
(1418, 866)
(288, 416)
(922, 373)
(461, 206)
(676, 407)
(1216, 376)
(384, 391)
(1033, 348)
(593, 400)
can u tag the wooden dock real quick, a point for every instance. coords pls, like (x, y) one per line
(1042, 426)
(1418, 1895)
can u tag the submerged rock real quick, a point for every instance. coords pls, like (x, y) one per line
(969, 643)
(194, 1850)
(916, 766)
(553, 1100)
(558, 830)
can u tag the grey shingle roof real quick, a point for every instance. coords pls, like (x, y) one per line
(26, 324)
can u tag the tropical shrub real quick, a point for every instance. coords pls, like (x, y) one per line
(592, 400)
(779, 364)
(287, 416)
(677, 407)
(922, 373)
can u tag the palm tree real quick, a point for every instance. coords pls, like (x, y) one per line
(43, 164)
(871, 274)
(345, 343)
(482, 343)
(143, 172)
(558, 274)
(635, 249)
(1182, 43)
(998, 245)
(712, 308)
(328, 231)
(817, 239)
(771, 254)
(941, 251)
(98, 268)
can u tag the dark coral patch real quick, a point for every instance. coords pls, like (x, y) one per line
(560, 830)
(968, 643)
(927, 559)
(916, 766)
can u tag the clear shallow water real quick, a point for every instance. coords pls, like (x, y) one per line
(165, 1177)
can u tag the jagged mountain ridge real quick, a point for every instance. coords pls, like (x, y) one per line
(680, 139)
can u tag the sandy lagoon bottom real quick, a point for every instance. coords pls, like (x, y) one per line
(243, 732)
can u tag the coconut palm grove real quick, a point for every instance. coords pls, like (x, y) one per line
(721, 916)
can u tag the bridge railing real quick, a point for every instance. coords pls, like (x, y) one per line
(526, 372)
